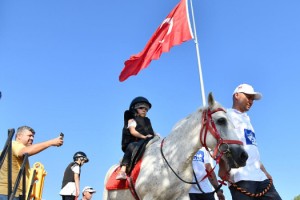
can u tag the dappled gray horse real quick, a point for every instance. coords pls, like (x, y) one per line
(167, 163)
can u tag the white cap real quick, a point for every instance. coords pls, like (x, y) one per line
(88, 189)
(247, 89)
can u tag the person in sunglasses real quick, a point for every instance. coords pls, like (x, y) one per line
(137, 129)
(87, 193)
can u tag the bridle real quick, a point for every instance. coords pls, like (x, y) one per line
(207, 124)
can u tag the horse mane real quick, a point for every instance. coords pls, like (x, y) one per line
(191, 124)
(187, 119)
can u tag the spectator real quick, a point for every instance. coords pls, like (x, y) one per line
(23, 144)
(87, 193)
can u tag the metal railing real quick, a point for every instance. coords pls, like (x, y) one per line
(7, 144)
(22, 173)
(7, 150)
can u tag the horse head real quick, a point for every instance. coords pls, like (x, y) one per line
(217, 133)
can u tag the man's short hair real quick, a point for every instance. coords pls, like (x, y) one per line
(23, 128)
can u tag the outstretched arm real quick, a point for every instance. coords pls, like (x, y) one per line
(36, 148)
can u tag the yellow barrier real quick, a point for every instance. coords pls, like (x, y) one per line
(36, 181)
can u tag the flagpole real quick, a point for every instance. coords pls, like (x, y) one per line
(198, 57)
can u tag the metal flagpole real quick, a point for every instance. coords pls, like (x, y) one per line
(198, 57)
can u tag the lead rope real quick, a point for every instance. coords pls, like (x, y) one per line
(242, 190)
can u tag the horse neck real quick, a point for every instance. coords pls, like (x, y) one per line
(183, 142)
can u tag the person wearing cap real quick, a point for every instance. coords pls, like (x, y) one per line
(253, 177)
(87, 193)
(137, 128)
(71, 180)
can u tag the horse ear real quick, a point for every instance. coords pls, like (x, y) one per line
(211, 100)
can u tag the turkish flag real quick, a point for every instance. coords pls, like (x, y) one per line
(174, 30)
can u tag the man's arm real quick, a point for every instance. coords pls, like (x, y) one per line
(223, 170)
(36, 148)
(262, 167)
(214, 182)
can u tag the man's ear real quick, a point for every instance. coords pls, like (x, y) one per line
(18, 136)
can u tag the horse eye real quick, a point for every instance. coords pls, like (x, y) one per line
(222, 121)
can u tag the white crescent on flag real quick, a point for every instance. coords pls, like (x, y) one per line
(170, 22)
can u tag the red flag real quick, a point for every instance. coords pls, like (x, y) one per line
(174, 30)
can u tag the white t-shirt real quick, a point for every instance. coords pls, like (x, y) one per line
(246, 134)
(70, 187)
(200, 159)
(132, 123)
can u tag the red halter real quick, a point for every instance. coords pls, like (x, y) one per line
(208, 124)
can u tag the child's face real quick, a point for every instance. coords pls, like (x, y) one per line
(142, 111)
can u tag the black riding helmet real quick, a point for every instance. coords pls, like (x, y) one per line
(80, 154)
(139, 99)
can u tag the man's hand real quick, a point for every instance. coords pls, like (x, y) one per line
(220, 195)
(223, 170)
(57, 141)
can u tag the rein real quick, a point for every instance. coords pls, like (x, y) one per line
(162, 153)
(207, 124)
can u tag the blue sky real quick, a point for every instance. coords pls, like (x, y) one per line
(60, 62)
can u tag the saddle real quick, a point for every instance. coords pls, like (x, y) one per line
(135, 164)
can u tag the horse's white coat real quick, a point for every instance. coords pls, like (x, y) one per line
(156, 181)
